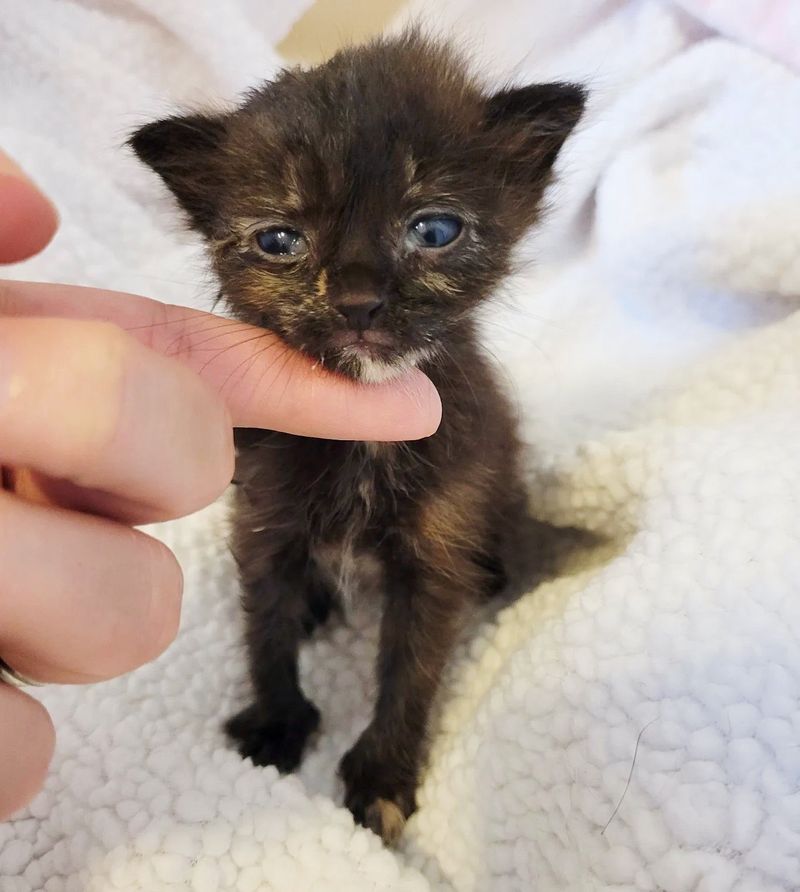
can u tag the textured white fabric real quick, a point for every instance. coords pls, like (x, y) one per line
(632, 725)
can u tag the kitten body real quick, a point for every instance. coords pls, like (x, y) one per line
(362, 211)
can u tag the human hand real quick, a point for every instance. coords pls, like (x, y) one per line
(117, 410)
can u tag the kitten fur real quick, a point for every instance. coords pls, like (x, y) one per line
(348, 154)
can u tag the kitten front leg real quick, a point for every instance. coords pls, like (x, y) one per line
(274, 729)
(422, 616)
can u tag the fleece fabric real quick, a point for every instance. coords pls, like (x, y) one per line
(632, 723)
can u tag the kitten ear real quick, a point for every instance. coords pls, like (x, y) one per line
(529, 124)
(182, 151)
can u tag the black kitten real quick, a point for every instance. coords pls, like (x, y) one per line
(362, 211)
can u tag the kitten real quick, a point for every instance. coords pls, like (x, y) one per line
(363, 210)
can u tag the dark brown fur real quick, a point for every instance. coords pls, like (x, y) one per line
(347, 153)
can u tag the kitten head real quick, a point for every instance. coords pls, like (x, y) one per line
(362, 209)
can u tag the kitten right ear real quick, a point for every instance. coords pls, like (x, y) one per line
(529, 124)
(182, 150)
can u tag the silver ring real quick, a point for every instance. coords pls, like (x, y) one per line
(16, 679)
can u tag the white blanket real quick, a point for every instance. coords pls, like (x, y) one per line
(631, 725)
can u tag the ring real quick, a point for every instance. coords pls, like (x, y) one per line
(16, 679)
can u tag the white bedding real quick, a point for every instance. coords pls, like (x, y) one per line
(631, 725)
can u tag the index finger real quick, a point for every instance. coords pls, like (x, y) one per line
(27, 218)
(264, 382)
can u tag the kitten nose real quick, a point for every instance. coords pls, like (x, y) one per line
(360, 310)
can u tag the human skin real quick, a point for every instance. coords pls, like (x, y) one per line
(117, 410)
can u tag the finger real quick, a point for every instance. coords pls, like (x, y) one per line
(264, 383)
(32, 486)
(26, 748)
(84, 402)
(81, 598)
(27, 218)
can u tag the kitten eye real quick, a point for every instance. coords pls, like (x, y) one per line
(279, 241)
(434, 230)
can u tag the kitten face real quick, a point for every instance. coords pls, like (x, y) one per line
(361, 210)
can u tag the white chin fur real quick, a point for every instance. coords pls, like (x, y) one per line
(375, 371)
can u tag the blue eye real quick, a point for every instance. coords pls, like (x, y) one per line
(282, 242)
(434, 230)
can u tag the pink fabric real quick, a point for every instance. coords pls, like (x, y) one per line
(771, 26)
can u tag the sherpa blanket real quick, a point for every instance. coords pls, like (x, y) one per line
(634, 722)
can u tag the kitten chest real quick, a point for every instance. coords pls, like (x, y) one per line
(343, 551)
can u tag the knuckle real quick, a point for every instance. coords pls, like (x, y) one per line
(108, 351)
(107, 339)
(102, 361)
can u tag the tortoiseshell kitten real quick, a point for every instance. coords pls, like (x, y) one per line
(362, 211)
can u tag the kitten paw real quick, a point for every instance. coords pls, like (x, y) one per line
(277, 739)
(387, 819)
(375, 796)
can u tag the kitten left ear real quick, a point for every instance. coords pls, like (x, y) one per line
(182, 150)
(529, 124)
